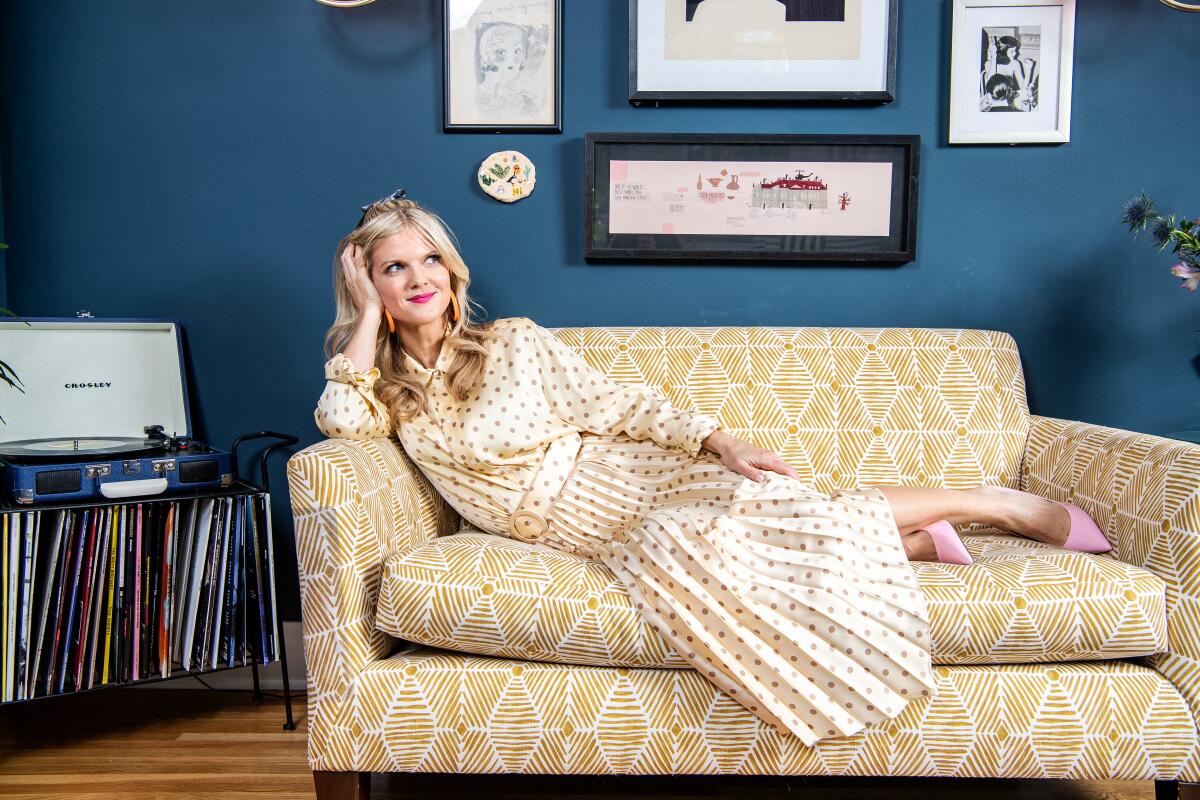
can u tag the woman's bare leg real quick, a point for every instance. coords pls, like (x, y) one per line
(914, 508)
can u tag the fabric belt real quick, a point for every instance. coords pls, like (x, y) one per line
(528, 522)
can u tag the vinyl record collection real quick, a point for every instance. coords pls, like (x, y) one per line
(95, 595)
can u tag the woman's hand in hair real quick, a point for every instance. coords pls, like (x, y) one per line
(358, 278)
(745, 458)
(361, 347)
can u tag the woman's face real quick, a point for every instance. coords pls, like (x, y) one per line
(411, 279)
(503, 46)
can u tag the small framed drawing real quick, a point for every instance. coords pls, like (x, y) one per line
(762, 50)
(1010, 71)
(502, 69)
(768, 198)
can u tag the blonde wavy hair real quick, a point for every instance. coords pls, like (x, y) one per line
(400, 390)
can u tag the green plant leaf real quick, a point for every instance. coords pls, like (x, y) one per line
(10, 377)
(14, 315)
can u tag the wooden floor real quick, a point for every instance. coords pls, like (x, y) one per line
(175, 743)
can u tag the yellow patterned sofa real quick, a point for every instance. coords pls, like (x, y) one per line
(432, 648)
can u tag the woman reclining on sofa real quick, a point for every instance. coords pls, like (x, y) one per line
(800, 605)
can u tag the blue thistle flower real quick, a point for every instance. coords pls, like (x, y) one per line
(1160, 232)
(1138, 212)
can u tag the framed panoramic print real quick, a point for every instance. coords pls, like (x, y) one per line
(769, 198)
(502, 68)
(1010, 71)
(762, 50)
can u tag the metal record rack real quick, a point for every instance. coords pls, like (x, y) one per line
(73, 605)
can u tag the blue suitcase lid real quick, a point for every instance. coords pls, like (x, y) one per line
(92, 378)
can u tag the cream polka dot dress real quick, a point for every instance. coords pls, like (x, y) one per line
(800, 605)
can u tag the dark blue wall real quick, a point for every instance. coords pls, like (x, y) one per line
(201, 160)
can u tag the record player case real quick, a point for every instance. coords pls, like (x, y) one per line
(60, 600)
(101, 412)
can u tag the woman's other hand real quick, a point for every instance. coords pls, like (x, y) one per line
(358, 278)
(745, 458)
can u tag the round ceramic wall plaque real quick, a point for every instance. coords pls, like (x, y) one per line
(508, 176)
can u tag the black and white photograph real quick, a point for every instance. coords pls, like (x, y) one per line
(1008, 78)
(1011, 71)
(502, 65)
(762, 50)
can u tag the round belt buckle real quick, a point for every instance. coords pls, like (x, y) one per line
(527, 525)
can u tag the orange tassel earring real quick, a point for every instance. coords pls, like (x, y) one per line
(457, 311)
(391, 322)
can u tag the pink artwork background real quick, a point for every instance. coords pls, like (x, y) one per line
(663, 197)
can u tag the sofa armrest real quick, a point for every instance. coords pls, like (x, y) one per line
(355, 504)
(1144, 493)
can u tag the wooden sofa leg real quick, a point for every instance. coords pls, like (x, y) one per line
(1175, 790)
(342, 785)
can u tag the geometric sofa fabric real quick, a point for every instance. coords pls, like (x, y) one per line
(428, 710)
(354, 503)
(846, 407)
(1144, 493)
(486, 594)
(1020, 602)
(843, 406)
(1024, 601)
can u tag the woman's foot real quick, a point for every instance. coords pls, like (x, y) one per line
(918, 546)
(1029, 515)
(937, 541)
(1071, 529)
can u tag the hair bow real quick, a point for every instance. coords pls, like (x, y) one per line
(399, 194)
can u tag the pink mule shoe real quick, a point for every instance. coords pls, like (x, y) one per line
(950, 549)
(1085, 535)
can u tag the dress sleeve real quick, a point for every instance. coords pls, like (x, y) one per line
(348, 408)
(582, 396)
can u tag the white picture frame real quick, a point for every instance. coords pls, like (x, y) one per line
(1013, 56)
(750, 51)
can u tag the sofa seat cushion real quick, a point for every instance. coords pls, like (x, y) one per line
(1020, 602)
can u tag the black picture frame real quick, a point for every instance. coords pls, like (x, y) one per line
(899, 246)
(881, 95)
(450, 126)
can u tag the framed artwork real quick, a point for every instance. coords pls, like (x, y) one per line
(770, 198)
(1010, 71)
(502, 68)
(762, 50)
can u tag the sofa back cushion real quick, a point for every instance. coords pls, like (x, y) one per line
(844, 406)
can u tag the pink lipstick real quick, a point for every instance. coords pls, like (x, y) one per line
(421, 298)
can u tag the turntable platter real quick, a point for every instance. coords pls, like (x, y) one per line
(83, 446)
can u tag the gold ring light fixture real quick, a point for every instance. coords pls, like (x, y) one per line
(1181, 6)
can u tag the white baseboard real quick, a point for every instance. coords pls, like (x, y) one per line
(270, 677)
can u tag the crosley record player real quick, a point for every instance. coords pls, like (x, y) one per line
(104, 412)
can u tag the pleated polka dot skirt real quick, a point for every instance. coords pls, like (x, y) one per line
(800, 605)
